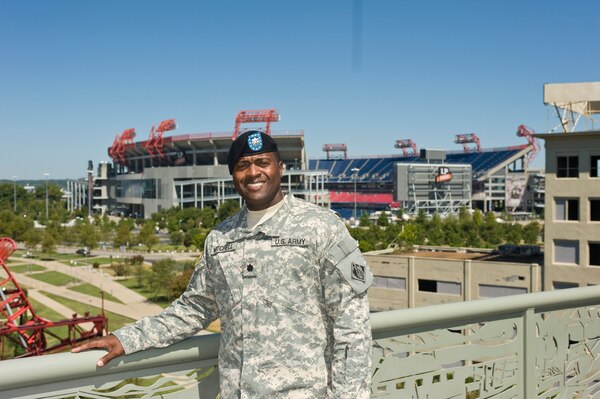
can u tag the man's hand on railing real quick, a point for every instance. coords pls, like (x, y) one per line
(110, 343)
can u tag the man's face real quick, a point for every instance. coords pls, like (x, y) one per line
(257, 179)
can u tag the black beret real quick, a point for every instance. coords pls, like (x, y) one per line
(252, 142)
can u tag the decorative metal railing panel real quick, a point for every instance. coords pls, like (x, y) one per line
(543, 345)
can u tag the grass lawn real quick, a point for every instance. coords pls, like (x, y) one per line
(86, 261)
(62, 256)
(27, 268)
(101, 261)
(55, 278)
(114, 320)
(131, 283)
(92, 290)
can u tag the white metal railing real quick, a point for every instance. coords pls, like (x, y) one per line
(540, 345)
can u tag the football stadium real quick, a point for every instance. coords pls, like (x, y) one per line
(190, 170)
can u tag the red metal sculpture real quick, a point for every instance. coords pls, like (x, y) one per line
(23, 327)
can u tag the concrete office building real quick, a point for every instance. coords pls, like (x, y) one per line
(572, 218)
(447, 276)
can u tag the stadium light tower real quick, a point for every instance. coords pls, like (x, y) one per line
(15, 192)
(46, 174)
(355, 175)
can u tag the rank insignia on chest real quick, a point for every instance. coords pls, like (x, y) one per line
(289, 241)
(358, 272)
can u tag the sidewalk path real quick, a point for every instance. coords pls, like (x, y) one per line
(134, 305)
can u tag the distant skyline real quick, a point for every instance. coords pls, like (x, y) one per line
(74, 74)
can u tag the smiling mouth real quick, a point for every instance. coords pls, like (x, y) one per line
(255, 185)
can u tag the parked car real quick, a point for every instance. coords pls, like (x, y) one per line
(83, 251)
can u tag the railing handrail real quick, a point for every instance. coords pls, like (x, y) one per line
(71, 366)
(33, 372)
(385, 322)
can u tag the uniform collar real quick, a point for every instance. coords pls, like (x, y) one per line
(271, 227)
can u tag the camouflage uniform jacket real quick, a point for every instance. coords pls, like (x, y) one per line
(291, 295)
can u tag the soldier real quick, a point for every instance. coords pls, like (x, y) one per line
(289, 284)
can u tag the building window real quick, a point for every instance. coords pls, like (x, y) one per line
(493, 291)
(561, 285)
(440, 287)
(594, 165)
(566, 251)
(396, 283)
(566, 209)
(594, 249)
(567, 166)
(595, 210)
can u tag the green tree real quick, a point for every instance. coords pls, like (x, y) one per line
(383, 220)
(531, 232)
(491, 230)
(400, 215)
(49, 241)
(160, 277)
(470, 226)
(32, 238)
(87, 234)
(435, 231)
(176, 237)
(477, 218)
(452, 232)
(179, 283)
(227, 209)
(512, 233)
(147, 235)
(208, 216)
(412, 234)
(123, 233)
(364, 220)
(106, 228)
(464, 215)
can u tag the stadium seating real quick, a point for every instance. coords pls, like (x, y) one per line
(380, 169)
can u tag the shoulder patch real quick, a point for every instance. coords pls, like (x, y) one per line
(347, 259)
(358, 272)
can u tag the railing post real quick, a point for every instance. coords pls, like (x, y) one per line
(467, 280)
(528, 372)
(413, 285)
(535, 278)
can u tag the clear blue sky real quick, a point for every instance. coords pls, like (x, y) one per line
(75, 73)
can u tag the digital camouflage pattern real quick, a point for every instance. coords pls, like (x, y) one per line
(291, 295)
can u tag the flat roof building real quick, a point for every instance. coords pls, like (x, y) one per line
(572, 217)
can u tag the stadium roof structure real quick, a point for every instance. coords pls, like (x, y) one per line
(207, 146)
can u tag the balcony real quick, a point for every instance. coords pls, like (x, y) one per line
(541, 345)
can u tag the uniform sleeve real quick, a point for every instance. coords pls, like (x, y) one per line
(345, 283)
(193, 311)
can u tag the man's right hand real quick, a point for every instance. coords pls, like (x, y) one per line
(110, 343)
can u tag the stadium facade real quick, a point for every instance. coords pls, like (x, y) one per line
(190, 170)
